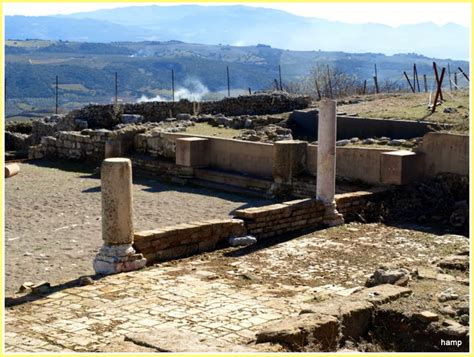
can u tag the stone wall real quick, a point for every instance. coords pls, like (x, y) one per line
(156, 143)
(287, 217)
(186, 239)
(165, 170)
(445, 153)
(300, 215)
(85, 145)
(352, 205)
(352, 162)
(304, 123)
(17, 141)
(106, 116)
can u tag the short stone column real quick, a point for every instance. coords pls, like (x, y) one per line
(117, 254)
(326, 174)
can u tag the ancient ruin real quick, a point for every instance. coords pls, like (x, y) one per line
(322, 246)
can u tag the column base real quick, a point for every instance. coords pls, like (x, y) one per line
(332, 217)
(113, 259)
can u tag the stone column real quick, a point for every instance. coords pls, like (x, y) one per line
(117, 254)
(326, 175)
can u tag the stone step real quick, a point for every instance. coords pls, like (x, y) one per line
(228, 188)
(245, 181)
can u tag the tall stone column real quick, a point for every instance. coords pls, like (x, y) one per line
(326, 174)
(117, 254)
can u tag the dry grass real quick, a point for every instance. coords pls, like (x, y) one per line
(411, 106)
(206, 129)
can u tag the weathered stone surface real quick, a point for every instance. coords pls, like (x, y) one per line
(388, 276)
(104, 267)
(118, 345)
(354, 315)
(382, 294)
(319, 330)
(172, 340)
(426, 273)
(454, 329)
(289, 159)
(446, 295)
(116, 189)
(426, 316)
(456, 262)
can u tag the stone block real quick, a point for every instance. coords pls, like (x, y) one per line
(401, 167)
(113, 259)
(113, 148)
(354, 315)
(289, 159)
(192, 152)
(321, 330)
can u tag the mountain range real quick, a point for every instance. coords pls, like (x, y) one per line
(241, 26)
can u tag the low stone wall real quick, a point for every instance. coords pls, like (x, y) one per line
(262, 222)
(17, 141)
(445, 153)
(224, 154)
(300, 215)
(352, 204)
(186, 239)
(156, 143)
(352, 162)
(292, 216)
(106, 116)
(304, 123)
(150, 166)
(85, 145)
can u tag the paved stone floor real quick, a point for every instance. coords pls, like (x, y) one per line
(220, 294)
(84, 318)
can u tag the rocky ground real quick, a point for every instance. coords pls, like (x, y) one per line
(52, 218)
(238, 295)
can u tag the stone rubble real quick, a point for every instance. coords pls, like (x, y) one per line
(384, 275)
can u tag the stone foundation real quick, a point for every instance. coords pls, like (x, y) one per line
(186, 239)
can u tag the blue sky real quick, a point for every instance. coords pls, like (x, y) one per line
(392, 14)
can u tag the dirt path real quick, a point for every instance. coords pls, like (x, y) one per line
(53, 223)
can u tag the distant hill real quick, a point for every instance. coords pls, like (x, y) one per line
(242, 26)
(86, 71)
